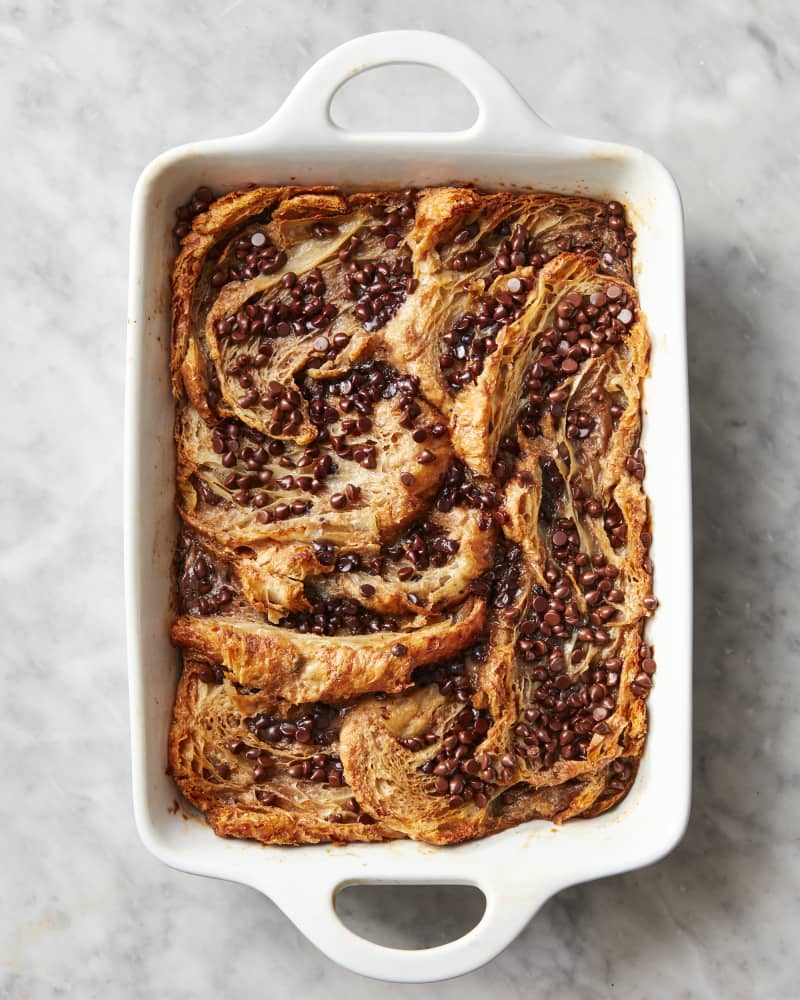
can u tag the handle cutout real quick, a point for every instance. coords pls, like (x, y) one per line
(410, 917)
(408, 98)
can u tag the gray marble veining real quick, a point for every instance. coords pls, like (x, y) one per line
(89, 93)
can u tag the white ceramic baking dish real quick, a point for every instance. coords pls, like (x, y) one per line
(507, 146)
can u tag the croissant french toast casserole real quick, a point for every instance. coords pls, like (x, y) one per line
(412, 572)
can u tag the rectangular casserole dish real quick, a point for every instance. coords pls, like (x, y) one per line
(508, 146)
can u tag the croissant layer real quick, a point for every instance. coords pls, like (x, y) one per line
(412, 572)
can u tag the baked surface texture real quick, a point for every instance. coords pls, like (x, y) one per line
(412, 574)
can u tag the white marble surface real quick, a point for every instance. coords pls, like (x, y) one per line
(89, 92)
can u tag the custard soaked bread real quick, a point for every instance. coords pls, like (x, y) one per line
(412, 572)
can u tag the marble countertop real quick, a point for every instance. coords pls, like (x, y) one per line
(89, 92)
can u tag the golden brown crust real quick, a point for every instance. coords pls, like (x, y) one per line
(210, 717)
(413, 568)
(301, 668)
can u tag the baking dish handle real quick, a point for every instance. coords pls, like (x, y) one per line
(504, 119)
(508, 909)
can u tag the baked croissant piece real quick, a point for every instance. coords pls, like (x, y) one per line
(412, 573)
